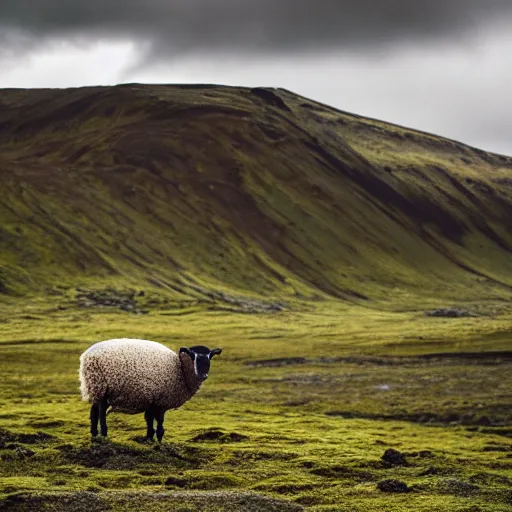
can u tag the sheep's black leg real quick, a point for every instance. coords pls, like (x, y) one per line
(95, 415)
(159, 415)
(103, 406)
(149, 416)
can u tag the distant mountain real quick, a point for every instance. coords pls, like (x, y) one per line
(210, 189)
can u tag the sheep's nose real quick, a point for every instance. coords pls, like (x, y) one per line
(203, 376)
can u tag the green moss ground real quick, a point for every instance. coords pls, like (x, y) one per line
(266, 426)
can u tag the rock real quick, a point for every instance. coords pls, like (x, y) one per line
(271, 97)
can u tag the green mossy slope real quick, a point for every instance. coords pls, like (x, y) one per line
(252, 191)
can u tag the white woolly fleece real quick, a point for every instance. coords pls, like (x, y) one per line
(136, 374)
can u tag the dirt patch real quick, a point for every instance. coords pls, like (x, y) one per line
(343, 472)
(18, 452)
(393, 486)
(423, 454)
(498, 431)
(125, 300)
(491, 479)
(286, 488)
(215, 481)
(252, 456)
(116, 456)
(487, 358)
(430, 471)
(427, 418)
(497, 448)
(47, 424)
(7, 438)
(458, 487)
(393, 457)
(98, 455)
(83, 501)
(272, 363)
(219, 436)
(450, 313)
(176, 482)
(360, 360)
(201, 501)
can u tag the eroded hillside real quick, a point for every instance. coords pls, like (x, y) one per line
(208, 189)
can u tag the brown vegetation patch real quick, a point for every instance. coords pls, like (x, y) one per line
(7, 437)
(82, 501)
(109, 455)
(219, 436)
(393, 486)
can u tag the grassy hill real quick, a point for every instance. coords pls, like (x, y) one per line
(194, 190)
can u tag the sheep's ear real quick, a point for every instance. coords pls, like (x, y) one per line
(185, 350)
(215, 352)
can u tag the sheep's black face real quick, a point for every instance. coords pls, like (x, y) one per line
(201, 356)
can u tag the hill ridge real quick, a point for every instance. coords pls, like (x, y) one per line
(248, 191)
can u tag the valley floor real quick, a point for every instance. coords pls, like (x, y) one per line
(326, 407)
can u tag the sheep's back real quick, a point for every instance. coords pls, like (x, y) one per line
(134, 373)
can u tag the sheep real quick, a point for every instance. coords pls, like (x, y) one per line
(139, 376)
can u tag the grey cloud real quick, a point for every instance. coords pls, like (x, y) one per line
(241, 26)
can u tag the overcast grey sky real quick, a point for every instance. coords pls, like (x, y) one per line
(443, 66)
